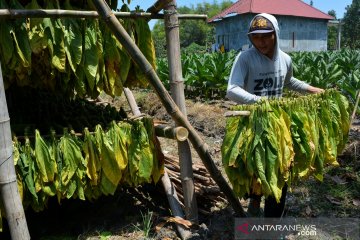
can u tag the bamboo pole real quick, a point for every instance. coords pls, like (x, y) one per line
(175, 204)
(170, 191)
(237, 113)
(158, 6)
(59, 13)
(132, 103)
(178, 133)
(10, 196)
(177, 93)
(200, 146)
(355, 107)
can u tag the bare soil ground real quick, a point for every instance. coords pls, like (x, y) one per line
(122, 216)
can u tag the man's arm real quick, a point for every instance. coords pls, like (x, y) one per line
(314, 90)
(235, 89)
(239, 95)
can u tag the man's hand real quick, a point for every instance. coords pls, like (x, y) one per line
(314, 90)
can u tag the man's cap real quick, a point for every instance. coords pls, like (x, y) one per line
(261, 25)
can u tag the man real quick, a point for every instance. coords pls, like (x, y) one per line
(262, 72)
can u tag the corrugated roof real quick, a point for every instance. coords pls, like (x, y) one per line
(296, 8)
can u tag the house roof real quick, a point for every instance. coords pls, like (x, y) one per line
(295, 8)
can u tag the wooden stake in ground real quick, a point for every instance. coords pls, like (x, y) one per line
(169, 188)
(132, 103)
(355, 106)
(10, 196)
(177, 92)
(200, 146)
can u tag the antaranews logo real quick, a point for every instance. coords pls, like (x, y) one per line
(272, 230)
(281, 228)
(244, 228)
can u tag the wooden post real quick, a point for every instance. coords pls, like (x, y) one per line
(172, 109)
(169, 188)
(177, 92)
(9, 192)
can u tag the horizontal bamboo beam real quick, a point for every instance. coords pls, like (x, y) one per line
(177, 133)
(237, 113)
(58, 13)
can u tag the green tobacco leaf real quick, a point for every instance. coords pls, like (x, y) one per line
(260, 163)
(109, 165)
(72, 158)
(46, 164)
(37, 37)
(25, 168)
(71, 188)
(20, 37)
(140, 156)
(125, 61)
(27, 157)
(22, 44)
(6, 41)
(113, 65)
(92, 158)
(59, 54)
(158, 156)
(73, 43)
(119, 136)
(91, 60)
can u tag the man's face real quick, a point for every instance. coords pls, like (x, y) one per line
(264, 42)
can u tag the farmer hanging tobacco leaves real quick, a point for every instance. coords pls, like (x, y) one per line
(277, 143)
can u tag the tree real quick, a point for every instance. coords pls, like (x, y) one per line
(332, 33)
(191, 31)
(351, 25)
(159, 38)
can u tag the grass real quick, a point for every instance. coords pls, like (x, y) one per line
(333, 197)
(105, 235)
(146, 225)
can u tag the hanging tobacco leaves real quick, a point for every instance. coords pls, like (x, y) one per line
(89, 166)
(284, 141)
(70, 55)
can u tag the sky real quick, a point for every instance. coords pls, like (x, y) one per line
(323, 5)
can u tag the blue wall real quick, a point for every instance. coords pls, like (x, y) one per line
(296, 33)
